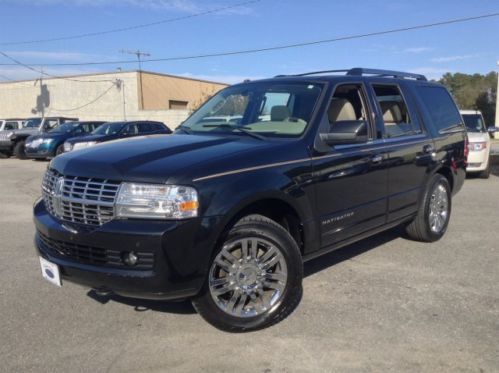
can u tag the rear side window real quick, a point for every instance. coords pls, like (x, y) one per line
(396, 117)
(441, 107)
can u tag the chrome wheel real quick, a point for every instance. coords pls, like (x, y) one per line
(248, 277)
(439, 208)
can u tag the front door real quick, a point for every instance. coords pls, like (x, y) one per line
(351, 181)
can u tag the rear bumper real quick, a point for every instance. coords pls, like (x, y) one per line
(478, 161)
(181, 254)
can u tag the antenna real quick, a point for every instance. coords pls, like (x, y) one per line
(139, 55)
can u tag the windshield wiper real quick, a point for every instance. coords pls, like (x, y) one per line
(239, 128)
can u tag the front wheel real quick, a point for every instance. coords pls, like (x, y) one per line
(255, 280)
(433, 216)
(59, 150)
(19, 150)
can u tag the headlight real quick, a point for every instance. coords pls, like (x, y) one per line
(82, 145)
(477, 146)
(68, 147)
(47, 141)
(156, 201)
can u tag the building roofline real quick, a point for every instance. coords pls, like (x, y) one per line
(114, 73)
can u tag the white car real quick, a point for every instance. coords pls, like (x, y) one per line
(11, 124)
(478, 143)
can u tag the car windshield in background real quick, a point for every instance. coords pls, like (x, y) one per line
(65, 128)
(33, 123)
(474, 123)
(265, 108)
(109, 128)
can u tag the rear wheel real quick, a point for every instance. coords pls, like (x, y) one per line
(433, 216)
(19, 150)
(255, 280)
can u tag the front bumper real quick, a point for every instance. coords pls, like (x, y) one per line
(38, 153)
(6, 146)
(181, 252)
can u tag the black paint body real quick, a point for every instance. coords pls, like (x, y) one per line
(340, 194)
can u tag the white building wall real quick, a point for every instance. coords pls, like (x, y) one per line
(109, 97)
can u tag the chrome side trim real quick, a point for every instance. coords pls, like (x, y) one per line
(382, 145)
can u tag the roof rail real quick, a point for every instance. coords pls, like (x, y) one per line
(359, 71)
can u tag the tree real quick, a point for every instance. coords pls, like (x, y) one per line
(474, 92)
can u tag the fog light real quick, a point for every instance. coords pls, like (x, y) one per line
(129, 258)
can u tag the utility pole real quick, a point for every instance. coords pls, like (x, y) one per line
(139, 55)
(496, 135)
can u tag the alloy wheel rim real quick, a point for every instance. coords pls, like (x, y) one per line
(439, 208)
(248, 277)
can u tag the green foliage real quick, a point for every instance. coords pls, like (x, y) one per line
(474, 92)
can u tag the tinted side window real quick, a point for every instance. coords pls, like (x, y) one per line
(441, 107)
(145, 128)
(395, 111)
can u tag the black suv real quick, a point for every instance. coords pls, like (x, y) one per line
(226, 212)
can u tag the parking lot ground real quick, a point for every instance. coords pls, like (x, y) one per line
(384, 304)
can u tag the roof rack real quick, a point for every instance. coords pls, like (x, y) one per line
(360, 71)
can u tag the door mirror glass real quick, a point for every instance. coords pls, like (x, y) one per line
(346, 132)
(492, 129)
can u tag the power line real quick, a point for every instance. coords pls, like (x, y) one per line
(29, 67)
(280, 47)
(133, 27)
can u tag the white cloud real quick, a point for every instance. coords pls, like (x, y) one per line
(417, 50)
(431, 72)
(454, 58)
(185, 6)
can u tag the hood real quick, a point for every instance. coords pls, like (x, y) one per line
(47, 135)
(26, 132)
(478, 136)
(98, 138)
(163, 158)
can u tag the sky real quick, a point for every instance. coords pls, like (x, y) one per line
(471, 47)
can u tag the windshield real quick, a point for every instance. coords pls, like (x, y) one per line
(65, 128)
(33, 123)
(474, 123)
(109, 128)
(266, 108)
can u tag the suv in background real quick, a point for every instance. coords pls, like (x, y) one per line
(226, 214)
(51, 143)
(479, 143)
(117, 130)
(11, 124)
(13, 142)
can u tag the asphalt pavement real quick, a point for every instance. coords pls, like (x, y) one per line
(386, 304)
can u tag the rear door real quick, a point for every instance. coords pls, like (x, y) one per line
(410, 147)
(350, 180)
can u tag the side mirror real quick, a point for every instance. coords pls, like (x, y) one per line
(492, 130)
(345, 132)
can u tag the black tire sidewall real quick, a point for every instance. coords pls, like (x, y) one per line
(59, 150)
(19, 150)
(214, 315)
(436, 179)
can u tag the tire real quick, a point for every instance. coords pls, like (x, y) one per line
(59, 150)
(19, 150)
(4, 155)
(238, 298)
(425, 227)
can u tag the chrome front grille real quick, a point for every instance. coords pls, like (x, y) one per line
(78, 199)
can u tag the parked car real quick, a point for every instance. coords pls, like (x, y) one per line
(479, 143)
(13, 142)
(116, 130)
(11, 124)
(51, 143)
(226, 214)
